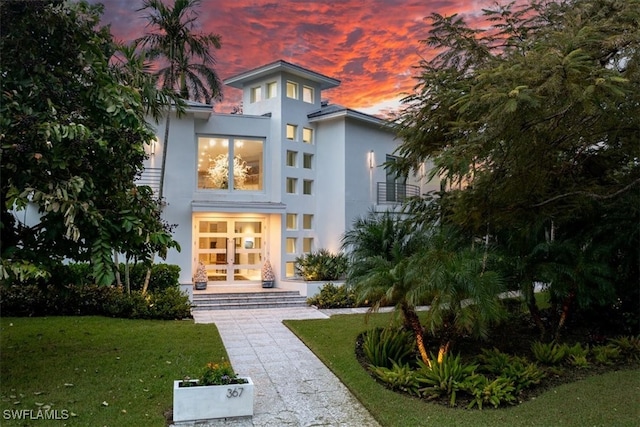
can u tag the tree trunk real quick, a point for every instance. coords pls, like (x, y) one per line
(413, 320)
(566, 307)
(534, 310)
(127, 278)
(165, 146)
(147, 277)
(117, 266)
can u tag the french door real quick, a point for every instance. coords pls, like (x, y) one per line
(230, 248)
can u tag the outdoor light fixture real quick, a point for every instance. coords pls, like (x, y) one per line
(152, 149)
(371, 158)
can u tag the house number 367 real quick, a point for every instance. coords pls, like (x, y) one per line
(234, 392)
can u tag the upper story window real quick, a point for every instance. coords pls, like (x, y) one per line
(292, 158)
(256, 94)
(272, 90)
(292, 131)
(292, 183)
(307, 135)
(307, 221)
(307, 94)
(230, 163)
(307, 161)
(292, 221)
(292, 90)
(307, 186)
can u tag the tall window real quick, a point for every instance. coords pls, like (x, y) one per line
(230, 163)
(307, 244)
(307, 135)
(307, 94)
(291, 245)
(290, 269)
(272, 90)
(292, 158)
(291, 185)
(292, 90)
(307, 186)
(256, 94)
(307, 221)
(307, 161)
(292, 221)
(292, 131)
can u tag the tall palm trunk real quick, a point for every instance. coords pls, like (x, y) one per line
(165, 145)
(412, 319)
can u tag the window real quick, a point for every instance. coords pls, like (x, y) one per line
(272, 90)
(306, 186)
(307, 135)
(292, 158)
(290, 269)
(307, 161)
(307, 94)
(292, 222)
(292, 90)
(292, 131)
(292, 183)
(307, 221)
(291, 245)
(307, 244)
(256, 94)
(230, 163)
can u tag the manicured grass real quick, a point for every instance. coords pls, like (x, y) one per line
(104, 372)
(605, 400)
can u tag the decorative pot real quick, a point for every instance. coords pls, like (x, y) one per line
(201, 286)
(267, 283)
(212, 401)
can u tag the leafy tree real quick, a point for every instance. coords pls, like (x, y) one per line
(67, 123)
(534, 123)
(173, 39)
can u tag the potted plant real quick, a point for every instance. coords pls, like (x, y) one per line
(268, 276)
(200, 279)
(218, 393)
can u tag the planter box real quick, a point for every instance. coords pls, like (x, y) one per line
(212, 401)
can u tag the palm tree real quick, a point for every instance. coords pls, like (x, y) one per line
(174, 40)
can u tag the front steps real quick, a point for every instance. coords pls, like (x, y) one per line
(241, 301)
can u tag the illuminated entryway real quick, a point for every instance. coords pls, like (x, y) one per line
(231, 248)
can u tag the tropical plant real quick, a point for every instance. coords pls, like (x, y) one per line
(321, 265)
(445, 376)
(384, 347)
(398, 377)
(483, 390)
(549, 353)
(172, 38)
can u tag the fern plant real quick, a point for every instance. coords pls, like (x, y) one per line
(384, 346)
(549, 353)
(606, 354)
(629, 346)
(519, 370)
(398, 377)
(500, 390)
(577, 355)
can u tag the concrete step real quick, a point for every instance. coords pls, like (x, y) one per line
(235, 301)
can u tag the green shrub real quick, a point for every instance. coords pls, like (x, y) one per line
(321, 265)
(170, 303)
(483, 390)
(163, 276)
(445, 377)
(606, 354)
(549, 353)
(332, 296)
(385, 346)
(577, 355)
(399, 377)
(522, 373)
(629, 346)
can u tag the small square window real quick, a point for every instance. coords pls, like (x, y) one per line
(307, 94)
(292, 158)
(292, 222)
(272, 90)
(307, 161)
(307, 135)
(306, 186)
(292, 90)
(307, 221)
(292, 183)
(290, 269)
(256, 94)
(291, 245)
(307, 244)
(292, 131)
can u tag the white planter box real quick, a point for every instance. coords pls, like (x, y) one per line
(213, 401)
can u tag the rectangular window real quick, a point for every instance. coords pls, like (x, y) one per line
(292, 158)
(306, 186)
(292, 222)
(230, 163)
(272, 90)
(307, 135)
(256, 94)
(292, 183)
(307, 221)
(292, 131)
(292, 90)
(307, 94)
(307, 244)
(290, 269)
(307, 161)
(291, 245)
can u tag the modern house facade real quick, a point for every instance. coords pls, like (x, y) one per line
(285, 177)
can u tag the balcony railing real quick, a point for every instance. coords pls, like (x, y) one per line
(391, 193)
(150, 177)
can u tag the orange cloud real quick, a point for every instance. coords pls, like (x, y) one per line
(371, 47)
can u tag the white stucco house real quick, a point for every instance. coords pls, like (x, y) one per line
(285, 177)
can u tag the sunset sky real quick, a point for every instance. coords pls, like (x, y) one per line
(371, 46)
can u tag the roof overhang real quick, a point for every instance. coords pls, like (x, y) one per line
(351, 114)
(238, 81)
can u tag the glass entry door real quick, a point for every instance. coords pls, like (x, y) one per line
(230, 248)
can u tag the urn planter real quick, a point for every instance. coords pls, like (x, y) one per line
(212, 401)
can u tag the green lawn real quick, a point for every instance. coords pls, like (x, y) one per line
(101, 371)
(608, 400)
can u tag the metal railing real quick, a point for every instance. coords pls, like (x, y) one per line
(150, 177)
(390, 192)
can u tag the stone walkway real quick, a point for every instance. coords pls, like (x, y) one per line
(292, 386)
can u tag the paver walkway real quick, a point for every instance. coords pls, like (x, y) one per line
(292, 386)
